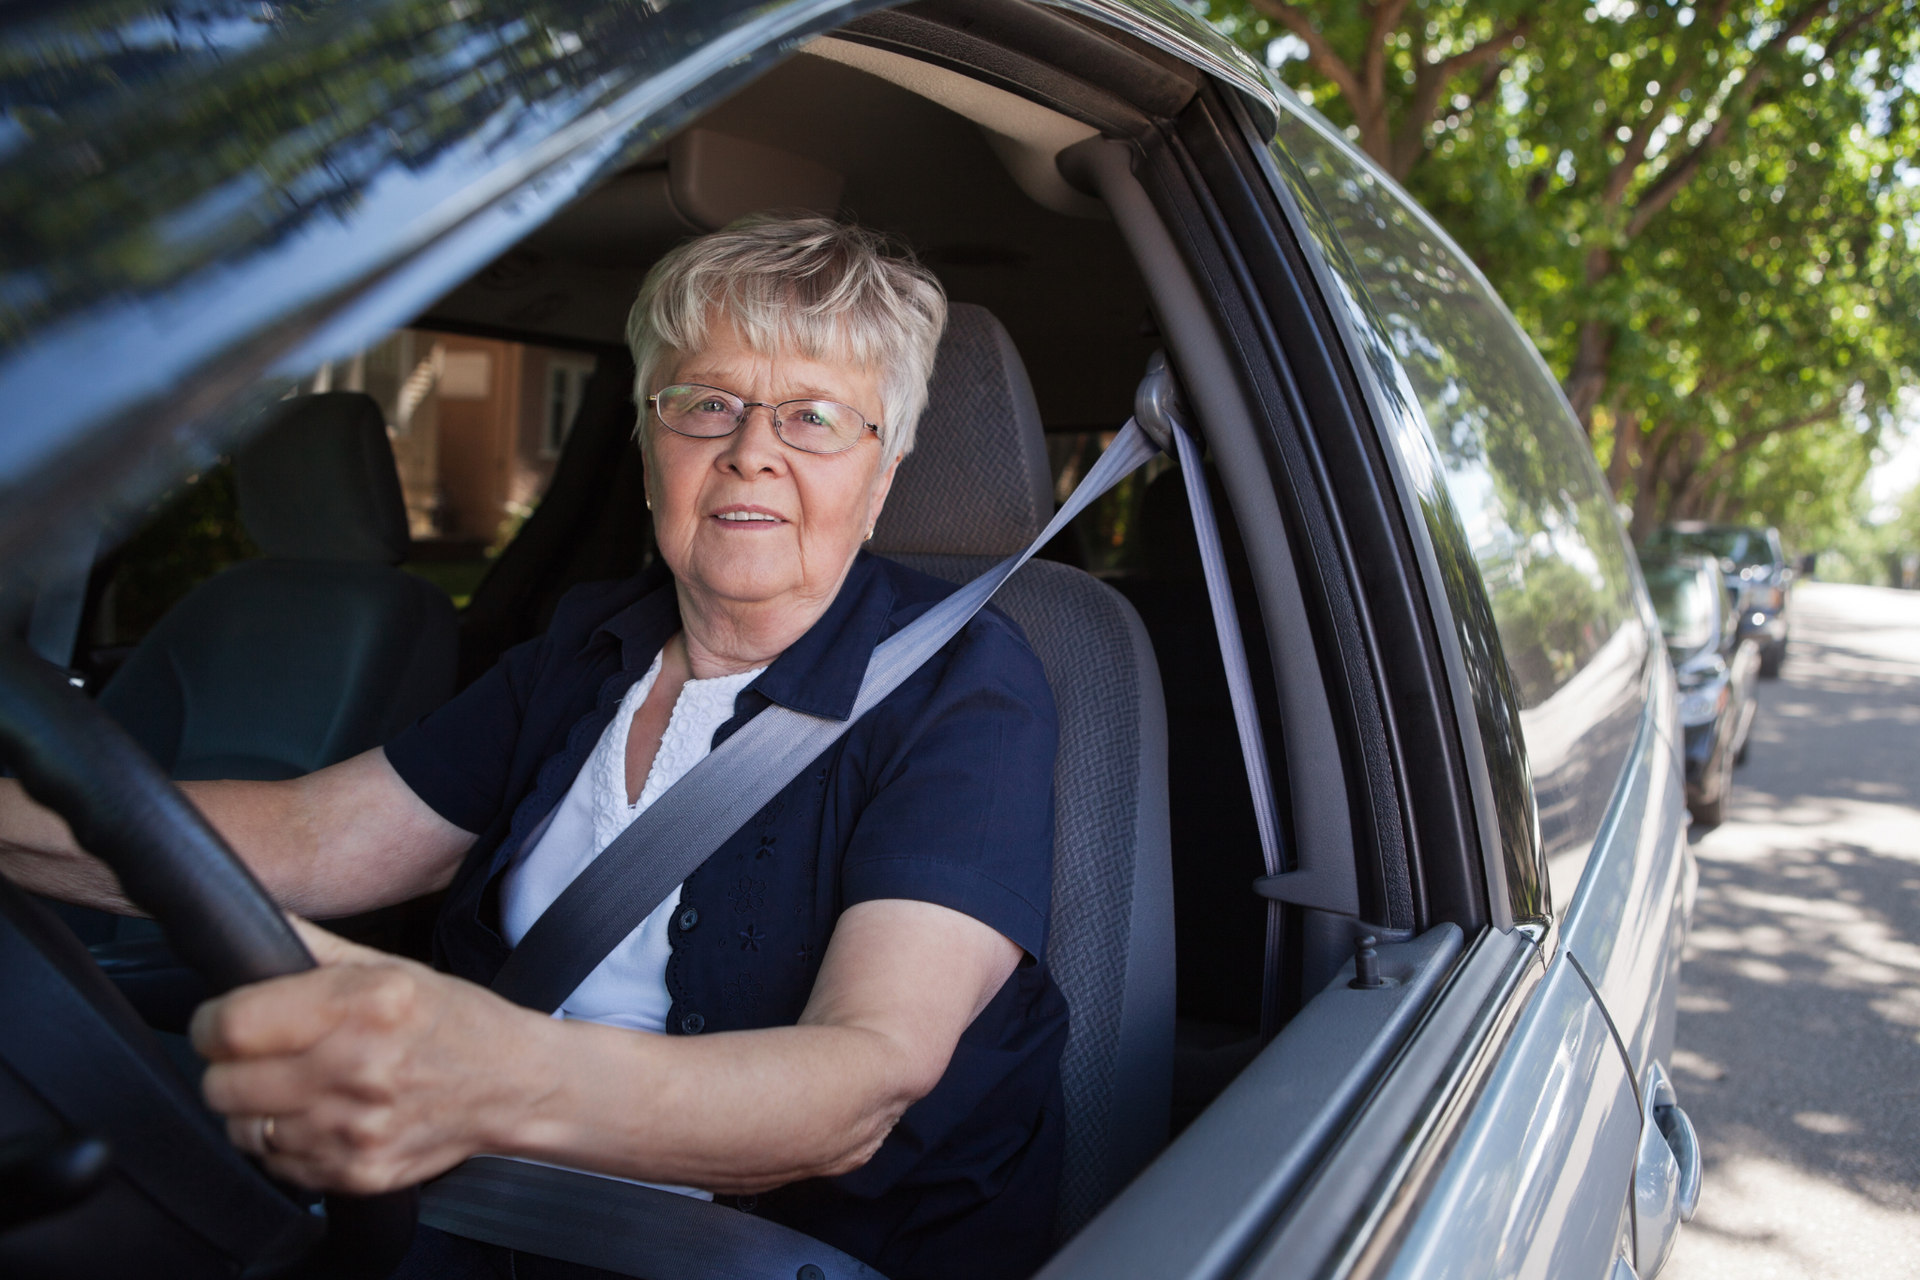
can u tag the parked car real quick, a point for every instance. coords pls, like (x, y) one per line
(1718, 665)
(1758, 573)
(219, 213)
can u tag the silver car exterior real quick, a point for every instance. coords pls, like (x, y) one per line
(1535, 1184)
(1574, 1158)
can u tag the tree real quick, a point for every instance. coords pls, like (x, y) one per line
(1699, 213)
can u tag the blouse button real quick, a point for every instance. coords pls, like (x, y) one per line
(693, 1024)
(689, 918)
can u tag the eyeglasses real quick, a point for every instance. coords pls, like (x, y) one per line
(708, 413)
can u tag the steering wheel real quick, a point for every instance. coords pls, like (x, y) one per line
(74, 759)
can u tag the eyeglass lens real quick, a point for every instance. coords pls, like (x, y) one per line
(816, 426)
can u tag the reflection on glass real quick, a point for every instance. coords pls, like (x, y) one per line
(1747, 548)
(1683, 600)
(1517, 473)
(1532, 502)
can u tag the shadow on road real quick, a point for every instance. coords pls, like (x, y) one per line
(1799, 1033)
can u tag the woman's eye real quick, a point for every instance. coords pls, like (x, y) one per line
(710, 406)
(811, 418)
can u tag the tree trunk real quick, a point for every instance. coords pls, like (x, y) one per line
(1587, 380)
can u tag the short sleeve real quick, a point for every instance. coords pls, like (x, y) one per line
(458, 758)
(963, 816)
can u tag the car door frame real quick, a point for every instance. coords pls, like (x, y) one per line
(1621, 934)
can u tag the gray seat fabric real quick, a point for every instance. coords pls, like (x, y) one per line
(317, 651)
(977, 488)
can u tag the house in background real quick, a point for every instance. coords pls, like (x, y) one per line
(477, 425)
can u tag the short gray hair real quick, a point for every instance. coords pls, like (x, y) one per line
(821, 289)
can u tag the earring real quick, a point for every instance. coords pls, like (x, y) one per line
(869, 537)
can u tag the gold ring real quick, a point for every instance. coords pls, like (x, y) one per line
(266, 1137)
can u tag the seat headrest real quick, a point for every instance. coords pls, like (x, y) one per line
(977, 482)
(320, 483)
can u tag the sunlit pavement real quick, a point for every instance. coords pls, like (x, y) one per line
(1799, 1037)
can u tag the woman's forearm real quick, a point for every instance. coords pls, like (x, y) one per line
(347, 838)
(733, 1113)
(38, 853)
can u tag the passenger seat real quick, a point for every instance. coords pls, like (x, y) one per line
(317, 651)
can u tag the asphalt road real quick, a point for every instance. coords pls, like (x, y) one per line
(1799, 1036)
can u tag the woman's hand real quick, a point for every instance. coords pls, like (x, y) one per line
(368, 1073)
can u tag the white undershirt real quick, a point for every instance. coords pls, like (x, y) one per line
(629, 987)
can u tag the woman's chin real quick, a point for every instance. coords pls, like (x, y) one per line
(746, 577)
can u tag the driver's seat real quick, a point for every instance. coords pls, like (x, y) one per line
(976, 489)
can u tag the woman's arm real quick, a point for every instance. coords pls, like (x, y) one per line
(380, 1073)
(344, 839)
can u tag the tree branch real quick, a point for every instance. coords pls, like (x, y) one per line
(1737, 105)
(1320, 50)
(1431, 81)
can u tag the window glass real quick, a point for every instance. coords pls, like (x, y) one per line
(1747, 548)
(1521, 478)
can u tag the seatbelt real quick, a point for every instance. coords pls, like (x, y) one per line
(577, 1217)
(1233, 656)
(589, 1220)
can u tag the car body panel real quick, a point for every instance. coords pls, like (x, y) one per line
(1537, 1185)
(1627, 924)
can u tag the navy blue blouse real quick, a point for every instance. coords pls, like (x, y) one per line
(942, 793)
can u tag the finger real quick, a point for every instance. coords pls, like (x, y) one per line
(279, 1016)
(248, 1133)
(260, 1087)
(330, 948)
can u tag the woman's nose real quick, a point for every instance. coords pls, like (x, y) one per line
(755, 446)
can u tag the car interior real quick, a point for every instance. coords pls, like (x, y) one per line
(326, 626)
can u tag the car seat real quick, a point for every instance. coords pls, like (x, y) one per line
(976, 489)
(318, 650)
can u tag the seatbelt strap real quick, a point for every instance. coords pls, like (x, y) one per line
(1233, 651)
(696, 815)
(576, 1217)
(1159, 406)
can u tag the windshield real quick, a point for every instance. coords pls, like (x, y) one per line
(1745, 547)
(1682, 596)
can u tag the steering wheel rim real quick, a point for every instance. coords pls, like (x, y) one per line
(74, 759)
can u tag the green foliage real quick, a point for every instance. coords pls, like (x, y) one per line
(195, 534)
(1706, 219)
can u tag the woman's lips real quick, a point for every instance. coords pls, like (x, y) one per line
(748, 518)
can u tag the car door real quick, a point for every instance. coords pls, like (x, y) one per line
(1499, 1129)
(1559, 1133)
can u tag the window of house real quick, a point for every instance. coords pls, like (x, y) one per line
(566, 381)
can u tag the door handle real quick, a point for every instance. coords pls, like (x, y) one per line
(1666, 1177)
(1677, 1129)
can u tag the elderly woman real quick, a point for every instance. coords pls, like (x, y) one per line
(840, 1019)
